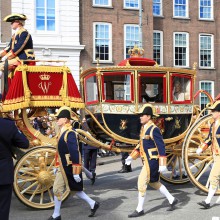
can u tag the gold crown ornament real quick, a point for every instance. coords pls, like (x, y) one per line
(136, 51)
(44, 77)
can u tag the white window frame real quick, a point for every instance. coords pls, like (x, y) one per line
(161, 9)
(187, 49)
(212, 51)
(200, 88)
(187, 10)
(43, 32)
(212, 9)
(161, 46)
(110, 41)
(100, 5)
(125, 40)
(131, 7)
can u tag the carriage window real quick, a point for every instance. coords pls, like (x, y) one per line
(181, 90)
(152, 88)
(117, 87)
(91, 94)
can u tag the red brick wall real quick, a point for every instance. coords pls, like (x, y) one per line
(119, 16)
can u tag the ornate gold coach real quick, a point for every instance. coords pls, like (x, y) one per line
(113, 94)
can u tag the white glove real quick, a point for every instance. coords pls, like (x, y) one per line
(77, 178)
(162, 169)
(199, 151)
(55, 171)
(128, 160)
(4, 58)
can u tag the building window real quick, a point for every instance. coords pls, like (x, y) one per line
(208, 86)
(133, 4)
(102, 2)
(180, 8)
(206, 53)
(131, 37)
(158, 47)
(206, 9)
(102, 42)
(45, 15)
(157, 7)
(181, 49)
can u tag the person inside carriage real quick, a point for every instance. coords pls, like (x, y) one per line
(178, 94)
(147, 96)
(20, 46)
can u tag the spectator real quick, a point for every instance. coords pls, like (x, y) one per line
(90, 155)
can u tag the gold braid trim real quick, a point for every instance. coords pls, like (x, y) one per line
(7, 106)
(63, 90)
(162, 161)
(143, 154)
(44, 69)
(62, 170)
(23, 45)
(204, 146)
(135, 154)
(77, 169)
(27, 92)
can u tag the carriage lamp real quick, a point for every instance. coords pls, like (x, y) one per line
(119, 93)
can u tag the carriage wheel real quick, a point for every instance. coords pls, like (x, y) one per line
(192, 162)
(175, 173)
(34, 177)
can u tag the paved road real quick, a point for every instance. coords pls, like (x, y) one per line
(118, 198)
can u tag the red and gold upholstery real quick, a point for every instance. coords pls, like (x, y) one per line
(40, 86)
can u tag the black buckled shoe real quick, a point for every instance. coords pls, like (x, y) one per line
(57, 218)
(123, 169)
(204, 204)
(172, 206)
(136, 214)
(93, 178)
(93, 211)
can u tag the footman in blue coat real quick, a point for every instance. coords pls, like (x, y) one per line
(9, 136)
(151, 149)
(69, 165)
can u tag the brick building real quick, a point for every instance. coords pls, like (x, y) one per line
(174, 33)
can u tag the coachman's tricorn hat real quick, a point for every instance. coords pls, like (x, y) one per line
(64, 112)
(14, 17)
(148, 109)
(215, 106)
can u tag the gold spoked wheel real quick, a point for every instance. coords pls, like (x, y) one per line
(192, 162)
(175, 173)
(34, 178)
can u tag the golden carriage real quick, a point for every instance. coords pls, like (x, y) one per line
(111, 96)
